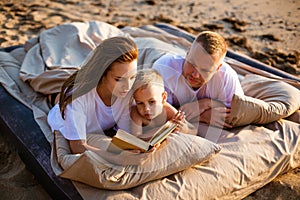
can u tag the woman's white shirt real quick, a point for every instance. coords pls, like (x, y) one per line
(88, 114)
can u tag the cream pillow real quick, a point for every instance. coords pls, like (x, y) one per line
(266, 100)
(178, 152)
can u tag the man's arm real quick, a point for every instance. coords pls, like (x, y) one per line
(207, 110)
(216, 117)
(196, 108)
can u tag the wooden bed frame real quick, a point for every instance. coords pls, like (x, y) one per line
(17, 124)
(19, 127)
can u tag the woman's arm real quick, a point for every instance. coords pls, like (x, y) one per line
(77, 146)
(124, 158)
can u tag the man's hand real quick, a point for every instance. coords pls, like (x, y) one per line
(196, 108)
(208, 111)
(216, 117)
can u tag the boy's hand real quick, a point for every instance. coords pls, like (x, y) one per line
(181, 122)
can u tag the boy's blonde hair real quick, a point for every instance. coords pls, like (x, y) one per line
(146, 78)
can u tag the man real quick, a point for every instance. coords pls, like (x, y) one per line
(202, 84)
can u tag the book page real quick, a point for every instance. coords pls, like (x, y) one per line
(162, 133)
(128, 141)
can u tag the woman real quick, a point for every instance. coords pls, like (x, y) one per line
(94, 98)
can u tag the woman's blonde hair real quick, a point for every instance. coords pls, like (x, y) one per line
(111, 50)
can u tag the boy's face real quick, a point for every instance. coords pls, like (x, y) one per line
(150, 100)
(199, 66)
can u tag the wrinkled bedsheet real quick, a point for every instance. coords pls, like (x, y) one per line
(251, 155)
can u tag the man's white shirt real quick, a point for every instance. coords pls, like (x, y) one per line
(222, 86)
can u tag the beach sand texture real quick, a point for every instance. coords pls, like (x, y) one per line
(267, 30)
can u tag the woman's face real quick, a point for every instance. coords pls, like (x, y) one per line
(120, 77)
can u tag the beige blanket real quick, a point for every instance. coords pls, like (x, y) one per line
(251, 155)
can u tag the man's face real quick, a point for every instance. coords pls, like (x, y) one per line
(199, 66)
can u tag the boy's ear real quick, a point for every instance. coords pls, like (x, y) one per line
(164, 96)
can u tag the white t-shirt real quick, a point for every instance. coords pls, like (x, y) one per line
(88, 114)
(222, 86)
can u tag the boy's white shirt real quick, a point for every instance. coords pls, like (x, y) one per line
(222, 86)
(88, 114)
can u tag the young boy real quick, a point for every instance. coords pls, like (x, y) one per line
(150, 109)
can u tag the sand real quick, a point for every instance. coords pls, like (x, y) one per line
(265, 30)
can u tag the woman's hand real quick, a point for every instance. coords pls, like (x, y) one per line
(132, 157)
(154, 148)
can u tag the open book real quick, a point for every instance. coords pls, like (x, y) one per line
(126, 141)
